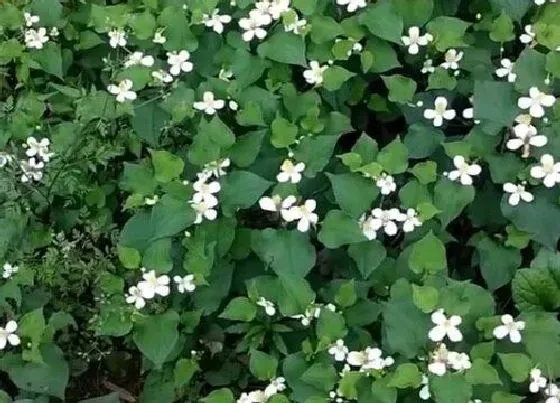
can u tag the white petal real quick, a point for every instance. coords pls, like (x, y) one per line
(437, 333)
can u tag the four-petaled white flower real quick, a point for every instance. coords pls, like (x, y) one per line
(38, 148)
(439, 112)
(217, 168)
(507, 70)
(410, 220)
(117, 37)
(185, 284)
(253, 27)
(303, 214)
(369, 226)
(8, 335)
(31, 19)
(386, 184)
(428, 66)
(209, 104)
(216, 21)
(509, 328)
(386, 219)
(452, 59)
(445, 327)
(535, 102)
(529, 36)
(290, 171)
(35, 39)
(162, 76)
(538, 381)
(9, 270)
(296, 26)
(179, 62)
(204, 209)
(159, 37)
(525, 136)
(275, 203)
(153, 285)
(314, 75)
(339, 350)
(458, 361)
(225, 74)
(517, 193)
(134, 296)
(205, 191)
(414, 40)
(464, 171)
(547, 170)
(352, 5)
(138, 58)
(123, 91)
(268, 306)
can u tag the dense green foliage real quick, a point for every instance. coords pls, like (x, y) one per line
(279, 201)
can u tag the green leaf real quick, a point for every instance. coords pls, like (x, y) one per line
(441, 79)
(406, 375)
(495, 101)
(422, 140)
(138, 178)
(246, 148)
(353, 193)
(541, 337)
(379, 56)
(535, 289)
(240, 190)
(448, 32)
(503, 397)
(335, 76)
(425, 172)
(428, 255)
(401, 89)
(502, 29)
(381, 393)
(320, 375)
(450, 388)
(241, 309)
(382, 21)
(184, 371)
(49, 59)
(451, 198)
(530, 69)
(315, 152)
(284, 47)
(155, 336)
(425, 297)
(166, 166)
(324, 29)
(338, 228)
(262, 365)
(414, 12)
(148, 121)
(346, 294)
(516, 9)
(517, 365)
(284, 133)
(394, 157)
(482, 372)
(295, 294)
(330, 326)
(497, 263)
(179, 36)
(368, 256)
(219, 396)
(552, 63)
(50, 12)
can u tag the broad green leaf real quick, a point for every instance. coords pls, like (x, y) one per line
(542, 341)
(414, 12)
(284, 133)
(284, 47)
(517, 365)
(335, 76)
(353, 193)
(240, 190)
(428, 255)
(183, 371)
(495, 101)
(401, 89)
(330, 326)
(338, 228)
(406, 375)
(422, 140)
(315, 152)
(246, 148)
(450, 388)
(425, 297)
(502, 29)
(482, 372)
(219, 396)
(497, 263)
(367, 256)
(324, 29)
(451, 198)
(382, 21)
(320, 375)
(263, 366)
(394, 157)
(179, 36)
(148, 121)
(155, 336)
(166, 166)
(241, 309)
(448, 32)
(535, 289)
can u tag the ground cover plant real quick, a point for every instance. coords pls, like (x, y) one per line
(279, 201)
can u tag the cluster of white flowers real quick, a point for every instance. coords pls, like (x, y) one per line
(35, 38)
(268, 306)
(464, 171)
(275, 386)
(264, 13)
(39, 154)
(117, 38)
(509, 327)
(209, 105)
(148, 288)
(8, 335)
(366, 360)
(538, 381)
(139, 59)
(216, 20)
(452, 59)
(440, 112)
(386, 184)
(525, 136)
(9, 270)
(312, 312)
(303, 213)
(386, 220)
(528, 38)
(442, 359)
(507, 70)
(204, 201)
(314, 74)
(414, 40)
(352, 5)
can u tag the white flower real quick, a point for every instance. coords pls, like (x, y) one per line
(54, 32)
(208, 104)
(386, 219)
(205, 191)
(438, 364)
(261, 12)
(216, 21)
(357, 47)
(123, 91)
(303, 214)
(509, 327)
(297, 26)
(7, 335)
(424, 393)
(386, 184)
(290, 171)
(439, 112)
(32, 170)
(548, 170)
(252, 27)
(314, 75)
(352, 5)
(369, 226)
(134, 296)
(445, 327)
(117, 37)
(179, 62)
(414, 40)
(162, 76)
(150, 201)
(275, 203)
(8, 270)
(138, 58)
(225, 74)
(464, 171)
(310, 313)
(538, 381)
(452, 59)
(185, 284)
(369, 359)
(529, 36)
(204, 209)
(217, 168)
(233, 105)
(268, 306)
(458, 361)
(38, 148)
(31, 19)
(152, 285)
(507, 70)
(339, 350)
(535, 102)
(410, 220)
(278, 7)
(159, 38)
(525, 136)
(35, 39)
(428, 66)
(553, 393)
(5, 159)
(276, 385)
(518, 193)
